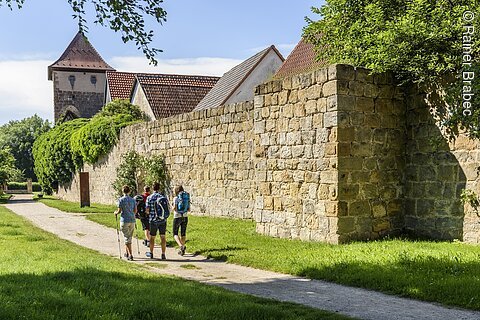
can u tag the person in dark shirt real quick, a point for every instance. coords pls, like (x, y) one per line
(158, 214)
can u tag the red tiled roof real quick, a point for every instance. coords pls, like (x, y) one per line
(174, 94)
(80, 54)
(232, 79)
(120, 84)
(300, 60)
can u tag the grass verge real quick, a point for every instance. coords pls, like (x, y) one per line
(43, 277)
(69, 206)
(444, 272)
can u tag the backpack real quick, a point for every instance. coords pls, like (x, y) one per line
(141, 208)
(183, 202)
(161, 207)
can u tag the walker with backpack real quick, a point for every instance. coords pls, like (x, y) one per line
(183, 202)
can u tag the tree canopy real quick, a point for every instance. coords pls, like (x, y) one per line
(124, 16)
(8, 171)
(420, 41)
(18, 137)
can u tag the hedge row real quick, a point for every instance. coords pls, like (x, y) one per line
(23, 186)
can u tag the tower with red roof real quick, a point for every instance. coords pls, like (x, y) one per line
(78, 80)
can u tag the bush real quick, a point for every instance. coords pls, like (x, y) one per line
(23, 186)
(136, 169)
(127, 173)
(36, 187)
(98, 136)
(156, 171)
(17, 186)
(53, 157)
(59, 153)
(118, 106)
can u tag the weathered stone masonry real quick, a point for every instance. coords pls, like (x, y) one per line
(332, 155)
(329, 156)
(209, 152)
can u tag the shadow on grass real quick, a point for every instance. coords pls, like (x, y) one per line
(226, 248)
(94, 294)
(216, 253)
(446, 280)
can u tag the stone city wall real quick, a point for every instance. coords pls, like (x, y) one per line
(208, 152)
(437, 171)
(332, 155)
(329, 156)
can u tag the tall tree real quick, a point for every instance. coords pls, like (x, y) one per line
(124, 16)
(420, 41)
(18, 137)
(8, 171)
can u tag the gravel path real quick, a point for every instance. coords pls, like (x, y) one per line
(354, 302)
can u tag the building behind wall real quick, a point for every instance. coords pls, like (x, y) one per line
(78, 80)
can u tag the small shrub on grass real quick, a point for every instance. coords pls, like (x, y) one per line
(4, 197)
(135, 169)
(128, 173)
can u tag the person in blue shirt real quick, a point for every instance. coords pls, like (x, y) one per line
(127, 208)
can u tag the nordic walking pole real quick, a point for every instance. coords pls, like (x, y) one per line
(118, 238)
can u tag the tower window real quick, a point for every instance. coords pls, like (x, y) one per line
(93, 80)
(71, 78)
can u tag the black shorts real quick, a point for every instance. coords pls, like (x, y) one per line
(182, 224)
(145, 224)
(160, 226)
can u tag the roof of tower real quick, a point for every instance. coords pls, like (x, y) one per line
(79, 55)
(302, 59)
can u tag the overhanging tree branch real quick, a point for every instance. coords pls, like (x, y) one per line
(124, 16)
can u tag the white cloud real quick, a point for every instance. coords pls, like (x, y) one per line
(190, 66)
(25, 90)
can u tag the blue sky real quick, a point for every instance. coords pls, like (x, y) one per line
(199, 37)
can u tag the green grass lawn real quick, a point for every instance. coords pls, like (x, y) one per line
(443, 272)
(43, 277)
(68, 206)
